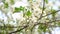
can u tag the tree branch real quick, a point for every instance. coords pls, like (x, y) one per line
(34, 24)
(42, 9)
(20, 29)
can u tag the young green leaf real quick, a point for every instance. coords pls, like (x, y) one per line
(53, 12)
(58, 23)
(21, 8)
(28, 13)
(46, 1)
(42, 27)
(6, 5)
(17, 10)
(12, 1)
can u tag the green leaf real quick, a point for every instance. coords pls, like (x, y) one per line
(6, 5)
(28, 13)
(21, 8)
(46, 1)
(53, 12)
(3, 1)
(58, 23)
(12, 1)
(17, 10)
(2, 28)
(42, 27)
